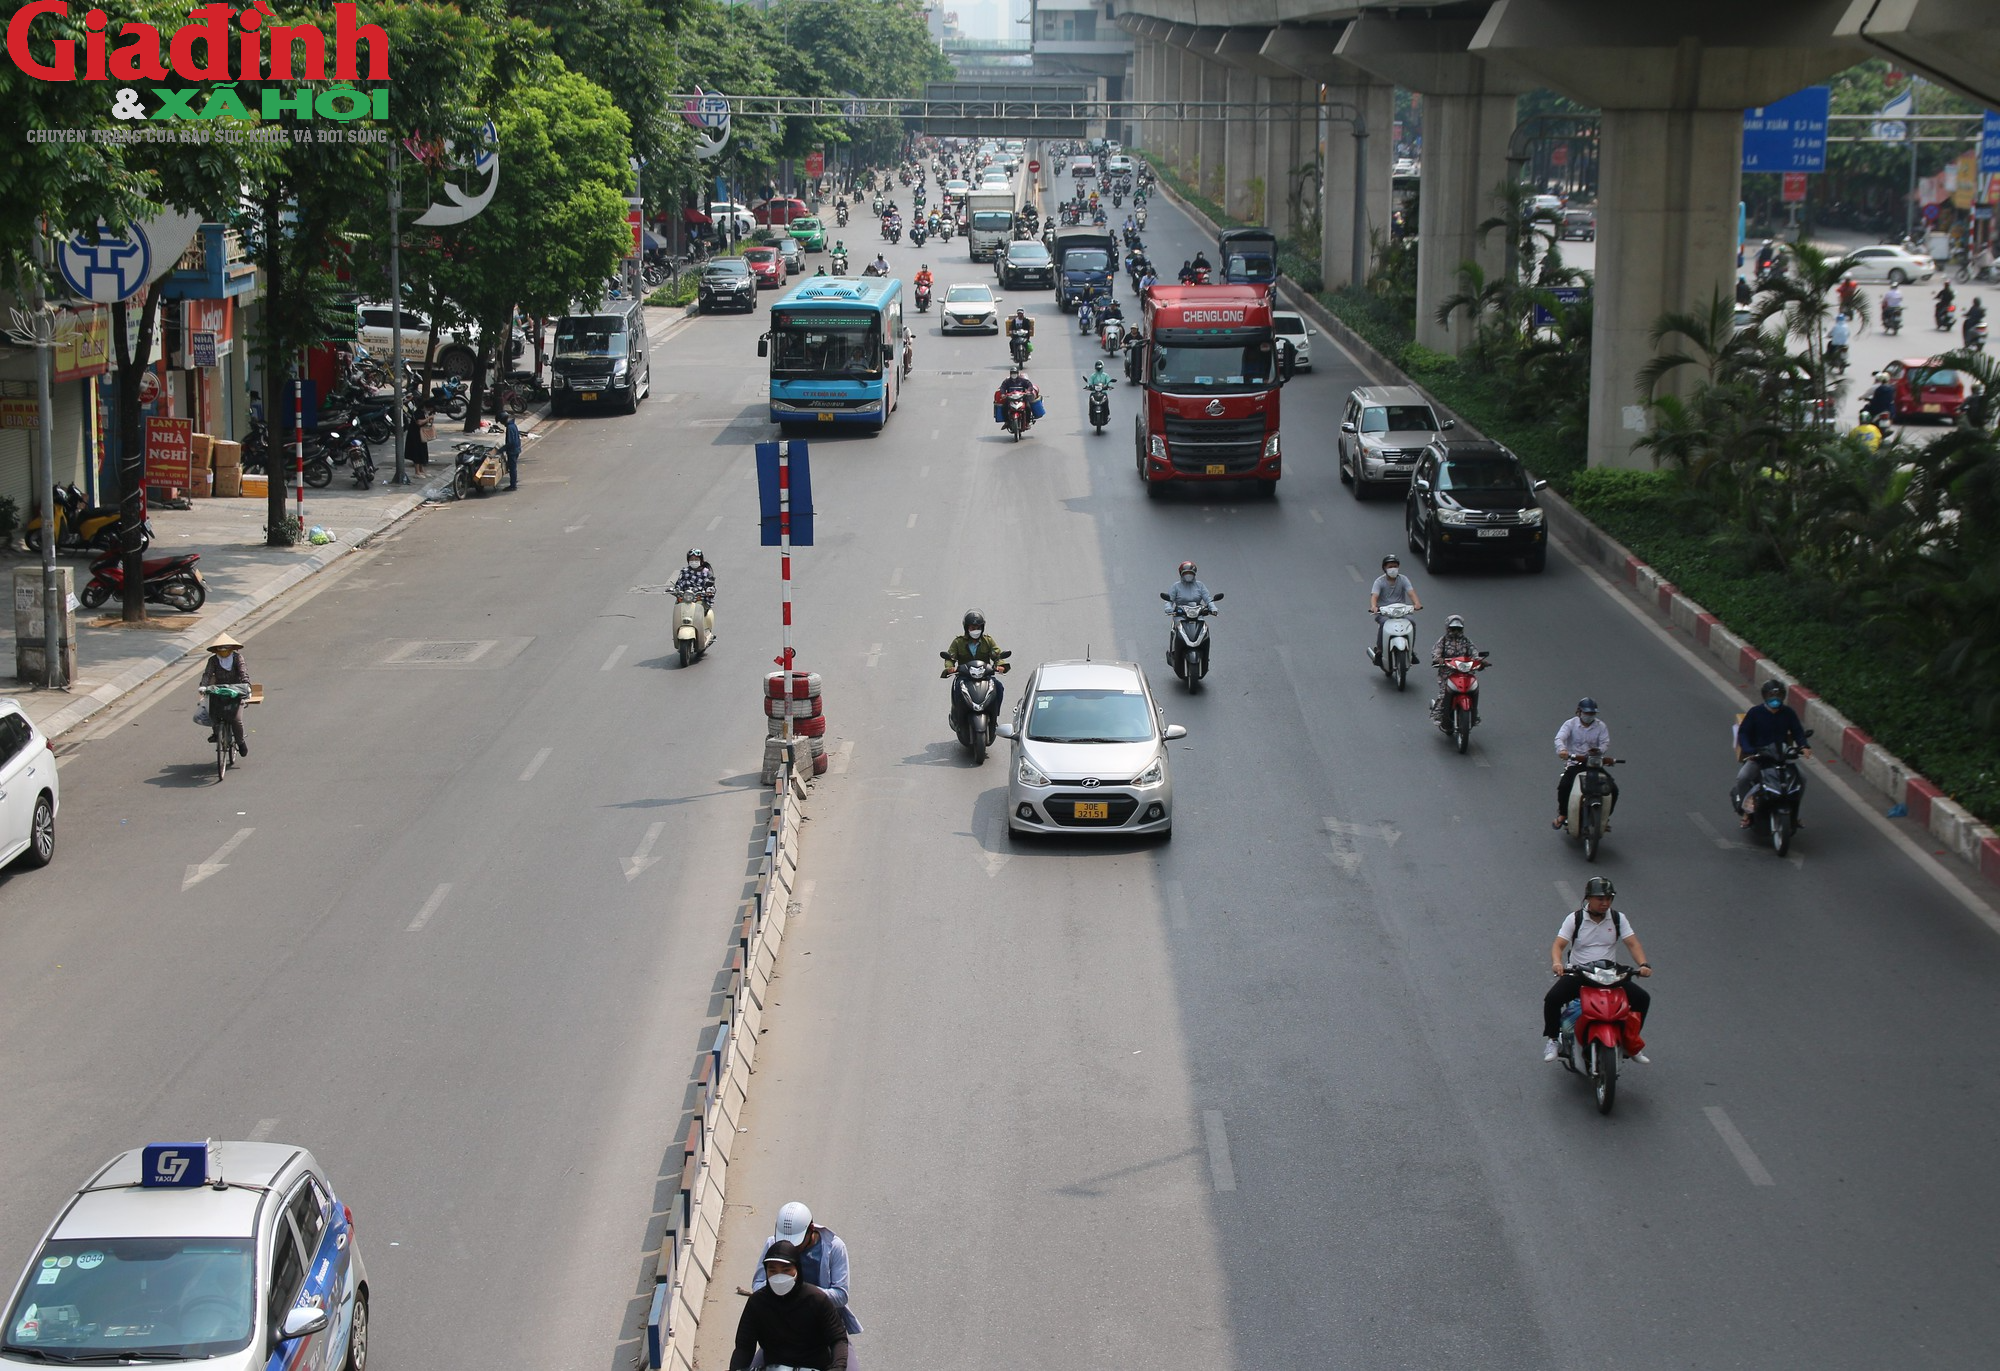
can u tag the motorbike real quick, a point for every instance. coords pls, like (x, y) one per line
(361, 465)
(918, 235)
(1457, 709)
(1100, 403)
(1048, 235)
(694, 627)
(1590, 804)
(972, 699)
(339, 445)
(1111, 334)
(1086, 316)
(1836, 358)
(1597, 1026)
(1019, 346)
(1187, 640)
(878, 205)
(1945, 316)
(1975, 335)
(1142, 215)
(171, 581)
(467, 458)
(1398, 631)
(923, 297)
(1017, 414)
(1773, 803)
(448, 398)
(1135, 356)
(1892, 319)
(840, 264)
(909, 354)
(80, 524)
(840, 214)
(945, 229)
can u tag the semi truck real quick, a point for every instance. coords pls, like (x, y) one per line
(1211, 371)
(989, 221)
(1085, 258)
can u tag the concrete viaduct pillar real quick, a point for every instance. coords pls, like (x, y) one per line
(1469, 108)
(1673, 87)
(1211, 131)
(1254, 194)
(1306, 54)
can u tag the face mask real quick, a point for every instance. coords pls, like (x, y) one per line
(782, 1285)
(973, 634)
(1774, 704)
(1391, 572)
(1188, 579)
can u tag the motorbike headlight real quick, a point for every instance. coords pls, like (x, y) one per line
(1447, 515)
(1532, 518)
(1026, 773)
(1152, 775)
(1158, 447)
(1271, 446)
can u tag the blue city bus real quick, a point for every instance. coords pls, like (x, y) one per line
(835, 349)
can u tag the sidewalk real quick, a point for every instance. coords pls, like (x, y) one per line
(242, 575)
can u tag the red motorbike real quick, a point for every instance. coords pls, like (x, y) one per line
(1457, 710)
(1597, 1026)
(170, 581)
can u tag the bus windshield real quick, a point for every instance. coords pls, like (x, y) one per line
(1213, 366)
(839, 346)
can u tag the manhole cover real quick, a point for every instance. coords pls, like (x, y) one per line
(450, 654)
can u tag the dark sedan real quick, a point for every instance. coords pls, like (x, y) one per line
(1470, 498)
(1025, 263)
(726, 283)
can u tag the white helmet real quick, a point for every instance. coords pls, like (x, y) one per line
(793, 1222)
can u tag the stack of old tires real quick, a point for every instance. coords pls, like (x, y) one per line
(803, 708)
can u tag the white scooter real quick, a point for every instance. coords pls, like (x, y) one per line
(1398, 631)
(694, 627)
(1591, 803)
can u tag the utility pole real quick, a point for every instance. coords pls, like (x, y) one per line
(402, 476)
(45, 472)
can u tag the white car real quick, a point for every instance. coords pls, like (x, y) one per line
(1294, 329)
(234, 1256)
(30, 795)
(1090, 753)
(1118, 166)
(1891, 262)
(1405, 166)
(969, 308)
(723, 211)
(456, 353)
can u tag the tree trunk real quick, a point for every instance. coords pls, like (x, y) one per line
(131, 452)
(277, 415)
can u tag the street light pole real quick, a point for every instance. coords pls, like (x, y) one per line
(53, 675)
(402, 476)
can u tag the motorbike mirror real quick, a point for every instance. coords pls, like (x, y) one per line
(1483, 653)
(1174, 733)
(1004, 730)
(945, 655)
(1809, 733)
(1003, 655)
(1217, 597)
(1165, 596)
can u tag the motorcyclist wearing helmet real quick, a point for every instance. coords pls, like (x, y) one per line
(1017, 381)
(822, 1257)
(698, 578)
(1591, 934)
(923, 276)
(1773, 724)
(1021, 326)
(1454, 643)
(1187, 589)
(975, 644)
(1579, 736)
(1098, 377)
(1392, 587)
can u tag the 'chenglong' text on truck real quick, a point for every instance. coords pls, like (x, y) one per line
(1211, 372)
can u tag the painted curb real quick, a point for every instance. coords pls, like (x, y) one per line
(1954, 828)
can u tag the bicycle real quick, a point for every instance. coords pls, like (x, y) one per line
(509, 398)
(225, 708)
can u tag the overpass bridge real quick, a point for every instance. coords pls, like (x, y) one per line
(1671, 78)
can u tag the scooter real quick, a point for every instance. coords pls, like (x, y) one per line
(694, 626)
(1591, 803)
(1597, 1026)
(1773, 804)
(972, 716)
(1111, 334)
(1100, 403)
(1187, 640)
(361, 465)
(1457, 709)
(1975, 335)
(1398, 630)
(918, 235)
(1892, 319)
(468, 459)
(923, 297)
(1015, 415)
(1019, 345)
(1086, 316)
(840, 213)
(1945, 317)
(81, 525)
(171, 581)
(840, 264)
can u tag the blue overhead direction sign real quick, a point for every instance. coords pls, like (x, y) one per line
(1989, 145)
(1789, 134)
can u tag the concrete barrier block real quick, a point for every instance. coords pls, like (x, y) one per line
(1954, 829)
(1664, 595)
(1882, 770)
(1852, 744)
(1826, 722)
(1682, 612)
(1705, 625)
(1724, 646)
(749, 1021)
(688, 1296)
(717, 1154)
(1751, 664)
(760, 979)
(1919, 795)
(1989, 858)
(706, 1231)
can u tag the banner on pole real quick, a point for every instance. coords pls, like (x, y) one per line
(800, 474)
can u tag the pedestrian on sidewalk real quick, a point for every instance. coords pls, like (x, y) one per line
(513, 449)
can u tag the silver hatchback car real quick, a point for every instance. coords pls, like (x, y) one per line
(1090, 753)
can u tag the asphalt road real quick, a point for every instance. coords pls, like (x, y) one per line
(1272, 1095)
(425, 960)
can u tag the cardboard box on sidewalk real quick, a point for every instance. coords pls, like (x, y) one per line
(204, 446)
(200, 486)
(227, 454)
(228, 482)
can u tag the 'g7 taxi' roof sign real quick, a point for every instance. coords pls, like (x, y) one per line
(179, 1166)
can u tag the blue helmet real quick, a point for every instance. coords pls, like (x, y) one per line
(1586, 706)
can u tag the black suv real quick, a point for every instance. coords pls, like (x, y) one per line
(725, 282)
(1470, 498)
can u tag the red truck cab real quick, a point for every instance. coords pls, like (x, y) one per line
(1211, 373)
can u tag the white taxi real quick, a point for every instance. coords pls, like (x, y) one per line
(235, 1255)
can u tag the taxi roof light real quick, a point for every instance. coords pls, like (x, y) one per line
(181, 1166)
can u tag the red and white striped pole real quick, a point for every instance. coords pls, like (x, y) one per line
(299, 440)
(785, 572)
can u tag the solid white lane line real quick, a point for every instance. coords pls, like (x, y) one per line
(873, 655)
(842, 753)
(572, 528)
(911, 522)
(430, 908)
(612, 660)
(263, 1131)
(536, 765)
(714, 524)
(1918, 854)
(643, 857)
(1177, 910)
(198, 872)
(1220, 1169)
(1315, 515)
(1354, 572)
(1738, 1147)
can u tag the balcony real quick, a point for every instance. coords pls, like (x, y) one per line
(214, 267)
